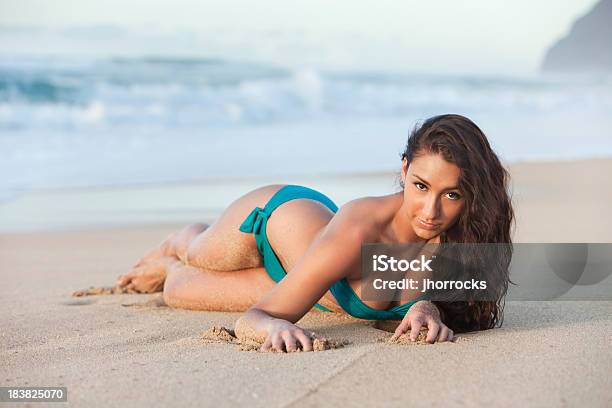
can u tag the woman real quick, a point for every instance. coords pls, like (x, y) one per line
(454, 189)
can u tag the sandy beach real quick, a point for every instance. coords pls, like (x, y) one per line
(132, 350)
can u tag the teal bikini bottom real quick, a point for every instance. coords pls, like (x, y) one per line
(256, 222)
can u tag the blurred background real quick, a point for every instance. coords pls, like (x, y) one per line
(134, 95)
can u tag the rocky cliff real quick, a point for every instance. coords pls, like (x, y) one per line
(587, 47)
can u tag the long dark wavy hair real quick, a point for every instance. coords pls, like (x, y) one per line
(487, 216)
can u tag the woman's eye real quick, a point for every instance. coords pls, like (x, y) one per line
(420, 186)
(453, 196)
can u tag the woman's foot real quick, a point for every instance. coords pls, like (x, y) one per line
(149, 273)
(146, 277)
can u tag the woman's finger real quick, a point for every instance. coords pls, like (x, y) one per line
(277, 342)
(305, 340)
(266, 345)
(289, 341)
(401, 329)
(130, 287)
(415, 329)
(444, 334)
(311, 334)
(433, 329)
(123, 280)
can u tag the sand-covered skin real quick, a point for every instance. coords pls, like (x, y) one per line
(220, 334)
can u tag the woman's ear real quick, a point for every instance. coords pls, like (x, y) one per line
(404, 169)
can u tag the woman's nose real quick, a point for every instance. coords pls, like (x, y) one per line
(430, 209)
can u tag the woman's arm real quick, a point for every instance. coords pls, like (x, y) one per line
(331, 257)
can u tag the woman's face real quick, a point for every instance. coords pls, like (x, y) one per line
(432, 199)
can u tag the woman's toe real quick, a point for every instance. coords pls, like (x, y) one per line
(123, 280)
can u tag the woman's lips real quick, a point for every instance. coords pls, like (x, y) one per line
(426, 225)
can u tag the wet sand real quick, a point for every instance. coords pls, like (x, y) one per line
(131, 349)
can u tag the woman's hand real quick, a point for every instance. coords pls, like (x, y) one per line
(286, 336)
(273, 333)
(424, 313)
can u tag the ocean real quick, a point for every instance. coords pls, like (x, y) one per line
(76, 122)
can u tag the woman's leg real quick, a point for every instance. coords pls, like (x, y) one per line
(214, 267)
(218, 247)
(189, 287)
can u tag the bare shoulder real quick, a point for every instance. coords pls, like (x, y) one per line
(360, 218)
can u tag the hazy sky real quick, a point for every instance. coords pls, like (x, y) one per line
(470, 36)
